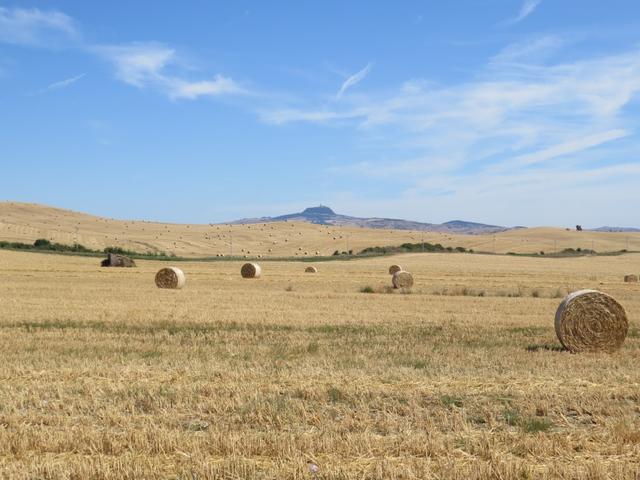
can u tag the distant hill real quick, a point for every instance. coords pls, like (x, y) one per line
(322, 215)
(617, 229)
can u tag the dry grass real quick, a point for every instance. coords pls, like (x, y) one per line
(27, 222)
(105, 376)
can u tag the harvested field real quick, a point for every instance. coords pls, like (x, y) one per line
(106, 376)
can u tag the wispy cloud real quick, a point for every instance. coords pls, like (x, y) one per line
(354, 79)
(156, 65)
(532, 50)
(500, 101)
(191, 90)
(61, 84)
(322, 115)
(528, 7)
(34, 27)
(138, 64)
(517, 127)
(567, 148)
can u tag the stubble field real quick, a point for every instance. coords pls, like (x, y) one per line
(105, 376)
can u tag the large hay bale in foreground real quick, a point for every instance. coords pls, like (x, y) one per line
(114, 260)
(402, 279)
(311, 269)
(394, 268)
(250, 270)
(631, 278)
(591, 321)
(170, 277)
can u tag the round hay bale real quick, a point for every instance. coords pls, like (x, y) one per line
(170, 277)
(394, 268)
(250, 270)
(311, 269)
(591, 321)
(402, 279)
(631, 278)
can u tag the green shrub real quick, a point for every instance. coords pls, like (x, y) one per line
(42, 243)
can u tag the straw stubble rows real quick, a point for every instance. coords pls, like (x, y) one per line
(107, 376)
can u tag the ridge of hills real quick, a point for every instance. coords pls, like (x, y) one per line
(323, 215)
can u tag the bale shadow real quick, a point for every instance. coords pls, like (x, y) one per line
(545, 347)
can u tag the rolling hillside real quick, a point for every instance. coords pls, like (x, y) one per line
(25, 222)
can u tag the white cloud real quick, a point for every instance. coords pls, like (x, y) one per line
(527, 103)
(138, 64)
(567, 148)
(289, 115)
(354, 79)
(62, 84)
(528, 7)
(154, 65)
(218, 86)
(143, 65)
(535, 49)
(34, 27)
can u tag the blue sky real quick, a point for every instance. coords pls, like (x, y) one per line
(501, 111)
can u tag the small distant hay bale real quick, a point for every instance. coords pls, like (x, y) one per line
(250, 270)
(394, 268)
(311, 269)
(114, 260)
(631, 278)
(591, 321)
(402, 279)
(170, 277)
